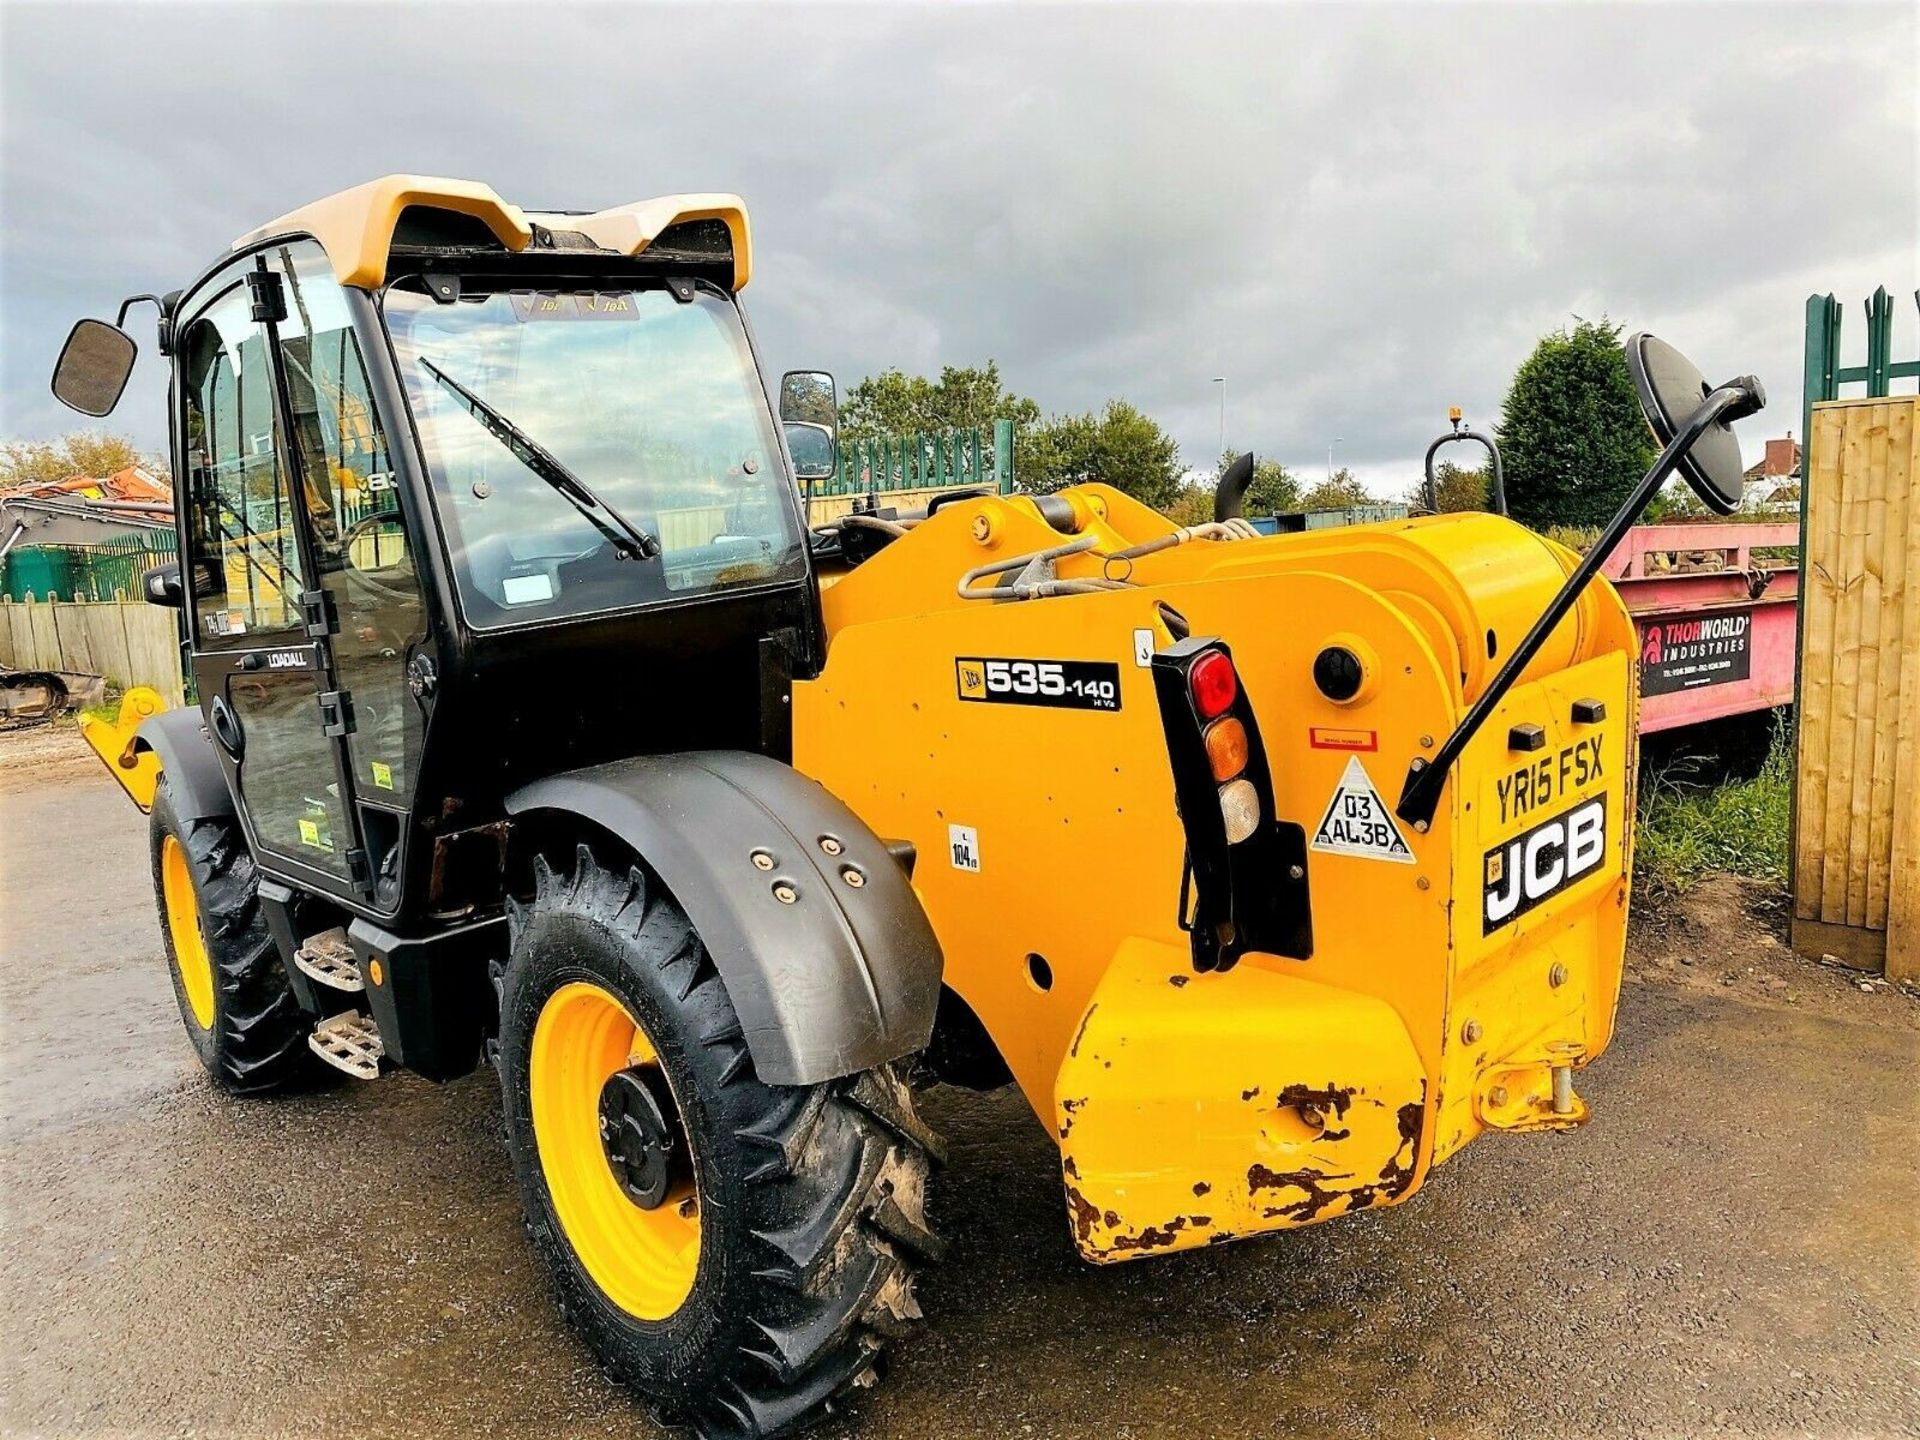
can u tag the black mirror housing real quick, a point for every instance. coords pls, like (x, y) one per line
(1671, 388)
(162, 586)
(91, 373)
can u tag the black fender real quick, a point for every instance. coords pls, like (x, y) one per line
(187, 759)
(836, 979)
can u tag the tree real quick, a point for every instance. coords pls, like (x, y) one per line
(1191, 505)
(1454, 488)
(1571, 432)
(1274, 491)
(895, 403)
(1339, 491)
(1120, 446)
(83, 452)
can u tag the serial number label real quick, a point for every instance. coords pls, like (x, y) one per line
(1062, 684)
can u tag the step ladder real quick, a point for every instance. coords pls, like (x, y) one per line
(328, 960)
(351, 1043)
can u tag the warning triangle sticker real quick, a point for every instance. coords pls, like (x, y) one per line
(1358, 822)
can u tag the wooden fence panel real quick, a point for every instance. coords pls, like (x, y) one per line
(128, 641)
(1856, 870)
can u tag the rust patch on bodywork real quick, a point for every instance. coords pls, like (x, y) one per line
(1085, 1214)
(1201, 1187)
(1325, 1098)
(1154, 1237)
(1178, 981)
(1315, 1198)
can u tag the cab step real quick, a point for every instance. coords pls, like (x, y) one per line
(350, 1042)
(328, 959)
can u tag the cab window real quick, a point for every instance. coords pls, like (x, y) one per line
(246, 573)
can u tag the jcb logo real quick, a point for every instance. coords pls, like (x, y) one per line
(1533, 867)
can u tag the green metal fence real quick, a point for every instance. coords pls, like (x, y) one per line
(85, 572)
(1824, 372)
(974, 455)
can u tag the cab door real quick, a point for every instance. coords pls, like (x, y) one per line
(260, 618)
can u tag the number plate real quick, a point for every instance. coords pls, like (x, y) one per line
(1061, 684)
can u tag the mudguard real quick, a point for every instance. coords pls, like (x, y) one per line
(813, 925)
(194, 777)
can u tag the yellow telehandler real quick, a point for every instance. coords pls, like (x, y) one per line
(535, 726)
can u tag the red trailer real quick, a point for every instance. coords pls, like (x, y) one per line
(1716, 619)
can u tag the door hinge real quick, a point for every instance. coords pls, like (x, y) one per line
(269, 296)
(359, 870)
(319, 613)
(336, 713)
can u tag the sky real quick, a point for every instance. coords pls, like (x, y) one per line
(1359, 214)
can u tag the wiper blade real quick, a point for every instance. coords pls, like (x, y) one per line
(621, 532)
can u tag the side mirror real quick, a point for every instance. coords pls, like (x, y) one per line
(809, 395)
(811, 447)
(93, 367)
(1671, 389)
(162, 586)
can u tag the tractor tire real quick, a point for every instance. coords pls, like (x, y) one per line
(746, 1256)
(242, 1018)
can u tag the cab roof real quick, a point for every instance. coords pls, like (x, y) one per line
(356, 227)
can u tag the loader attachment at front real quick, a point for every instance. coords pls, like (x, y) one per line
(115, 741)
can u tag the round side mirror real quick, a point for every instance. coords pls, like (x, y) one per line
(1671, 388)
(93, 367)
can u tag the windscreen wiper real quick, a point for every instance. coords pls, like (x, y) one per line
(622, 533)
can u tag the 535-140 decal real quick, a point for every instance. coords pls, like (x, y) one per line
(1062, 684)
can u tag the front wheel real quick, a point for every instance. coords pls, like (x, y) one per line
(737, 1252)
(241, 1015)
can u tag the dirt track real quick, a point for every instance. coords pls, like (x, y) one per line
(1733, 1246)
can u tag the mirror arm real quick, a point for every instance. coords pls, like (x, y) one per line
(159, 302)
(1420, 797)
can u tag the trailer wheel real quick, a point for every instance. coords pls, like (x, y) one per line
(241, 1016)
(737, 1252)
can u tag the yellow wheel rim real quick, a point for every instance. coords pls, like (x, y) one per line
(644, 1261)
(190, 957)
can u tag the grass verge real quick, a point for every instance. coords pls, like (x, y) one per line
(1741, 826)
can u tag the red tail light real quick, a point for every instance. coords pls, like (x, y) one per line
(1214, 685)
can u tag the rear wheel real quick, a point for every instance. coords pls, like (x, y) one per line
(240, 1014)
(738, 1252)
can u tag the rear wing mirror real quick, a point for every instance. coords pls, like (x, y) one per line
(91, 373)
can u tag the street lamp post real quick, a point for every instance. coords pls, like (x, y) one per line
(1221, 381)
(1337, 440)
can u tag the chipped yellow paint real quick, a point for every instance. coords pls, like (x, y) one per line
(1079, 852)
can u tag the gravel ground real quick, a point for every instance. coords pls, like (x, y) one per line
(1732, 1247)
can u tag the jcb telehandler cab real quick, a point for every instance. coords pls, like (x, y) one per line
(535, 725)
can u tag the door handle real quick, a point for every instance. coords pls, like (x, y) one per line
(226, 728)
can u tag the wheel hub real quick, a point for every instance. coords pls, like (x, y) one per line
(640, 1131)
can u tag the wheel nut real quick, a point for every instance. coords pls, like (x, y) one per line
(785, 893)
(853, 877)
(1470, 1032)
(762, 860)
(830, 845)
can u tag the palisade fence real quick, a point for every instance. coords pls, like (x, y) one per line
(128, 640)
(901, 469)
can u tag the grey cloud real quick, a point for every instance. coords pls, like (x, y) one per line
(1358, 214)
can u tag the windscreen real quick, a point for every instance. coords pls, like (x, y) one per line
(651, 404)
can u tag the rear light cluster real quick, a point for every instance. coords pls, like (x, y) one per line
(1214, 687)
(1247, 868)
